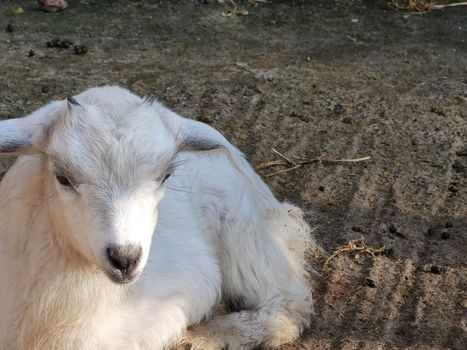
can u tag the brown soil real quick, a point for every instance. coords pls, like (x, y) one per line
(340, 79)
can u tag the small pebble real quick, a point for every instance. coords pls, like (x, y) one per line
(458, 167)
(431, 231)
(370, 283)
(9, 28)
(393, 229)
(435, 269)
(445, 235)
(338, 108)
(389, 252)
(53, 5)
(80, 49)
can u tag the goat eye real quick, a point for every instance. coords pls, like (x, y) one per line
(63, 180)
(166, 177)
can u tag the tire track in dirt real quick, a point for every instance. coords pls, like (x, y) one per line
(431, 306)
(383, 305)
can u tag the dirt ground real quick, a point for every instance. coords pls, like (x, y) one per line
(337, 79)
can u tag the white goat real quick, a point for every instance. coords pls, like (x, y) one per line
(83, 205)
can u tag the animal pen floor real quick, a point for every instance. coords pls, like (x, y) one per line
(323, 78)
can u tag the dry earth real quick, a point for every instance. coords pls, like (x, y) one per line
(339, 79)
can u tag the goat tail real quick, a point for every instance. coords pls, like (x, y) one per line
(293, 232)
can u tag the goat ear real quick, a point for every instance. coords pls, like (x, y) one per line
(190, 134)
(28, 134)
(196, 136)
(14, 138)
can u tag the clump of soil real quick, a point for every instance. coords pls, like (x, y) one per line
(80, 49)
(59, 43)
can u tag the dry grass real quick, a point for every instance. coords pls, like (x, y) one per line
(235, 10)
(357, 246)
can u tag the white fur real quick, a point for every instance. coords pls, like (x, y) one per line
(212, 233)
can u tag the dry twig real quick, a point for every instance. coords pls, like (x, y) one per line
(418, 6)
(356, 245)
(232, 12)
(236, 10)
(298, 162)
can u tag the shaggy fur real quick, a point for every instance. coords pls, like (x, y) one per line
(212, 233)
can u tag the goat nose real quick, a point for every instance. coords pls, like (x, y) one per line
(124, 257)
